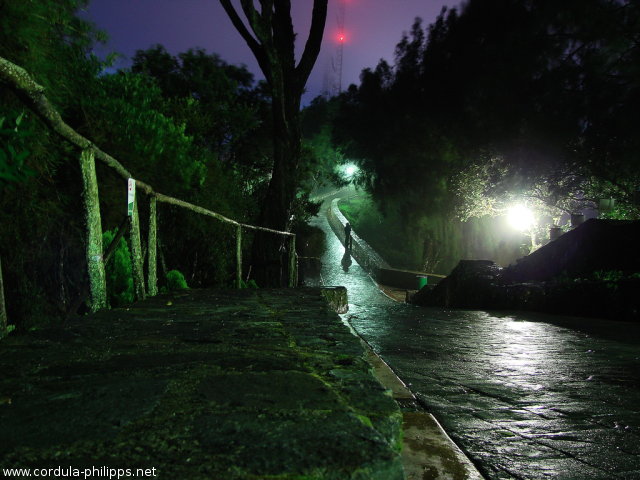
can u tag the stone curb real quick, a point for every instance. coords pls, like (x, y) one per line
(428, 453)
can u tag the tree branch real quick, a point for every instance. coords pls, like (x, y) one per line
(283, 34)
(256, 47)
(312, 47)
(266, 11)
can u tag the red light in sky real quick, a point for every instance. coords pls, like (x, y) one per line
(341, 37)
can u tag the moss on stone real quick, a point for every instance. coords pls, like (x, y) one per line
(215, 385)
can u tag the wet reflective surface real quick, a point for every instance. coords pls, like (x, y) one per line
(525, 395)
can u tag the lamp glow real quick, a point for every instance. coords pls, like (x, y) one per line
(520, 217)
(350, 170)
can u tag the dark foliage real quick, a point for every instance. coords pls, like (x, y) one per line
(497, 101)
(192, 126)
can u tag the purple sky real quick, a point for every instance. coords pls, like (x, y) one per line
(373, 27)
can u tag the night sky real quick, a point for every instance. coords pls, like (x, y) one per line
(372, 28)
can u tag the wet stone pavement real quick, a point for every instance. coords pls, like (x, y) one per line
(526, 396)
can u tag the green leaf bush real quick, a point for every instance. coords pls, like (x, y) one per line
(176, 281)
(118, 271)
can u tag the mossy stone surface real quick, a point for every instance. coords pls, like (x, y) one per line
(201, 384)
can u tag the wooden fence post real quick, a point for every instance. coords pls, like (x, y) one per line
(134, 239)
(239, 256)
(3, 311)
(95, 265)
(292, 261)
(152, 273)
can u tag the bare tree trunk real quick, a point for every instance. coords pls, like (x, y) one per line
(3, 311)
(152, 275)
(271, 38)
(95, 264)
(269, 251)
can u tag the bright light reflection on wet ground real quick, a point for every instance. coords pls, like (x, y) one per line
(525, 395)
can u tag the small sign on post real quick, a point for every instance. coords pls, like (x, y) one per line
(131, 196)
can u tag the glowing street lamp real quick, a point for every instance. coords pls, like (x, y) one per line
(520, 217)
(349, 171)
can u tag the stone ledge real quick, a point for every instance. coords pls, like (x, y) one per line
(428, 453)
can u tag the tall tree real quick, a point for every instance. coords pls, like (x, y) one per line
(271, 38)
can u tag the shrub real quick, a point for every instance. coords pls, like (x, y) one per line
(608, 275)
(250, 284)
(176, 281)
(118, 271)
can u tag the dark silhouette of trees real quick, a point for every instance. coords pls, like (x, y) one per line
(538, 97)
(270, 36)
(497, 101)
(227, 115)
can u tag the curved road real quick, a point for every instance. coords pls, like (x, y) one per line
(526, 396)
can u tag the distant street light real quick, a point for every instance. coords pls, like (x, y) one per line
(520, 218)
(349, 171)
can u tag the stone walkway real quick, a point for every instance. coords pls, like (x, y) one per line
(428, 452)
(526, 396)
(239, 384)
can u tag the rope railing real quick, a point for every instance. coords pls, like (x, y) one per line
(32, 95)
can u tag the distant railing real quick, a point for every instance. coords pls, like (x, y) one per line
(32, 94)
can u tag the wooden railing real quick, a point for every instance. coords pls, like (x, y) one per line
(32, 94)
